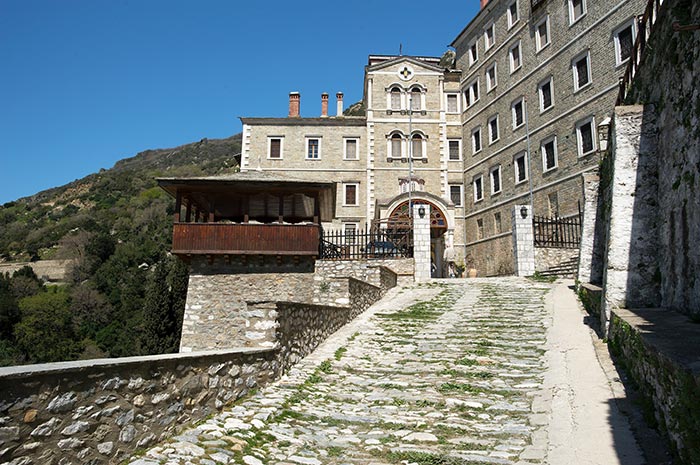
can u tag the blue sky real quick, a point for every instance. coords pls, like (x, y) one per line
(85, 83)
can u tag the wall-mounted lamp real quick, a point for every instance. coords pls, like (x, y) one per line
(603, 134)
(421, 211)
(523, 211)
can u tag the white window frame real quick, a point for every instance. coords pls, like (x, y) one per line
(269, 147)
(424, 146)
(573, 20)
(538, 38)
(345, 148)
(492, 179)
(616, 35)
(489, 84)
(409, 98)
(513, 20)
(389, 151)
(320, 145)
(480, 179)
(461, 193)
(543, 151)
(473, 52)
(540, 94)
(522, 155)
(517, 45)
(487, 45)
(357, 194)
(498, 129)
(574, 70)
(471, 93)
(401, 93)
(459, 149)
(521, 101)
(447, 103)
(579, 139)
(473, 139)
(356, 227)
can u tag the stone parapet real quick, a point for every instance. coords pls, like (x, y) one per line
(101, 411)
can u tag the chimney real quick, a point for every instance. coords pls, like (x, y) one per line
(294, 104)
(324, 105)
(339, 108)
(483, 3)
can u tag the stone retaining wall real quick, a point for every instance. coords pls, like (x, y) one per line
(101, 411)
(547, 258)
(48, 270)
(331, 285)
(658, 348)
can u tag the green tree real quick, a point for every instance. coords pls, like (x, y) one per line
(9, 310)
(45, 333)
(164, 306)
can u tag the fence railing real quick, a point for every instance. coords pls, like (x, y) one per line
(559, 233)
(645, 25)
(366, 244)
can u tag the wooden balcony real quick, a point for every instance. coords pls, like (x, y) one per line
(246, 239)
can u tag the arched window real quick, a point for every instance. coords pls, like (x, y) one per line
(417, 146)
(396, 142)
(395, 98)
(416, 95)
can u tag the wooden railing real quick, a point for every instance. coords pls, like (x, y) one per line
(246, 239)
(645, 26)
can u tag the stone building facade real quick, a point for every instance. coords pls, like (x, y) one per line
(455, 131)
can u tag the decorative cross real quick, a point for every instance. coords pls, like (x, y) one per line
(405, 72)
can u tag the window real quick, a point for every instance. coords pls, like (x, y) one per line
(479, 228)
(350, 194)
(473, 53)
(456, 194)
(577, 8)
(493, 129)
(274, 148)
(518, 113)
(549, 154)
(624, 41)
(396, 143)
(313, 148)
(515, 57)
(351, 149)
(584, 137)
(497, 224)
(491, 78)
(395, 98)
(520, 163)
(489, 36)
(416, 104)
(471, 94)
(476, 140)
(454, 147)
(452, 103)
(478, 188)
(582, 71)
(350, 232)
(495, 179)
(512, 14)
(542, 33)
(417, 146)
(553, 203)
(546, 95)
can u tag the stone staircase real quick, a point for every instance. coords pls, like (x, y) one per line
(565, 269)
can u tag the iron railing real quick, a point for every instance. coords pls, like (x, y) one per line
(645, 26)
(556, 232)
(370, 243)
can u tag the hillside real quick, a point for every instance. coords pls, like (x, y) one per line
(125, 294)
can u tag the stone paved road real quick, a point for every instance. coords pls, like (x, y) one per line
(438, 373)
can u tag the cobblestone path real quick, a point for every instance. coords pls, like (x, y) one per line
(439, 373)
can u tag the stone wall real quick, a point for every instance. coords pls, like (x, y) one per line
(216, 314)
(659, 349)
(669, 78)
(48, 270)
(547, 258)
(331, 286)
(101, 411)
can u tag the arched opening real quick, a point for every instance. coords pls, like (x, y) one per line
(395, 98)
